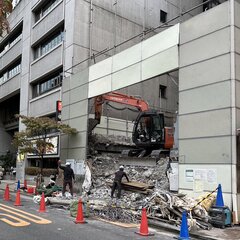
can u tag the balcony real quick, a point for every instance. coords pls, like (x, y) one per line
(11, 54)
(45, 104)
(50, 21)
(10, 86)
(47, 63)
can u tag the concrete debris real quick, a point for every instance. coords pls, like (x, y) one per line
(148, 187)
(112, 139)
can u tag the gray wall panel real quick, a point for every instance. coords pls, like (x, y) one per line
(203, 73)
(205, 98)
(206, 23)
(78, 93)
(78, 140)
(205, 150)
(238, 118)
(205, 124)
(79, 79)
(80, 123)
(65, 112)
(79, 108)
(237, 94)
(74, 153)
(44, 104)
(236, 14)
(237, 39)
(205, 47)
(237, 68)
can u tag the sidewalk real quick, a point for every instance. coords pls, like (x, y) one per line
(13, 184)
(230, 233)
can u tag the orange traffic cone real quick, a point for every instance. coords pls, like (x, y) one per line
(42, 204)
(79, 217)
(18, 200)
(6, 194)
(25, 184)
(144, 225)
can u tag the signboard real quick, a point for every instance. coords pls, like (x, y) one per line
(54, 140)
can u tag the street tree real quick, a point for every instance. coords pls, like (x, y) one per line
(35, 138)
(5, 9)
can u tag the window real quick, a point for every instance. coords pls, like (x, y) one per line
(11, 42)
(10, 73)
(48, 45)
(47, 85)
(162, 91)
(45, 9)
(163, 16)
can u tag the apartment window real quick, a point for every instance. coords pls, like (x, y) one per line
(163, 16)
(11, 42)
(48, 45)
(10, 73)
(48, 84)
(162, 91)
(45, 9)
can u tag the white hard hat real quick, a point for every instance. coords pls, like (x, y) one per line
(121, 167)
(68, 163)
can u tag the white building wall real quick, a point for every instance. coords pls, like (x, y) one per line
(207, 130)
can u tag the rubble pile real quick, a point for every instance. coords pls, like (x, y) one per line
(117, 214)
(103, 169)
(148, 188)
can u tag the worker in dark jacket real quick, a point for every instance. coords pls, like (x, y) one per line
(68, 177)
(117, 183)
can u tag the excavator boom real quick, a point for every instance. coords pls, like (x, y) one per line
(140, 104)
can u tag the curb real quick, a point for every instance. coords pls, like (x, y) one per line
(160, 225)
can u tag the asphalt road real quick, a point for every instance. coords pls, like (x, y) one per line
(57, 224)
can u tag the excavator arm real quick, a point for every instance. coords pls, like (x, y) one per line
(116, 97)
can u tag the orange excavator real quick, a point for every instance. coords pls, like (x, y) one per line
(149, 131)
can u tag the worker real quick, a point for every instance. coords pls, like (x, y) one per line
(68, 177)
(117, 183)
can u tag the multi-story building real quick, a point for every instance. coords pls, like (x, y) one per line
(50, 40)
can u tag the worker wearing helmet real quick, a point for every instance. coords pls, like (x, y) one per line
(68, 177)
(117, 183)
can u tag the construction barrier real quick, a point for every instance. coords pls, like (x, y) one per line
(7, 194)
(18, 199)
(42, 207)
(79, 217)
(144, 225)
(184, 234)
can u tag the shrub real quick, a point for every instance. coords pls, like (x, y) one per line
(35, 170)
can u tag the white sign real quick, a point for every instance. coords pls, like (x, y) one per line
(212, 175)
(200, 174)
(80, 168)
(189, 175)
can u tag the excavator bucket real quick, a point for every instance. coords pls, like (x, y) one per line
(92, 123)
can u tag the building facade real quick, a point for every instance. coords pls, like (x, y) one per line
(51, 40)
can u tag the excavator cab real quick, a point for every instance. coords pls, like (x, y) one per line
(148, 130)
